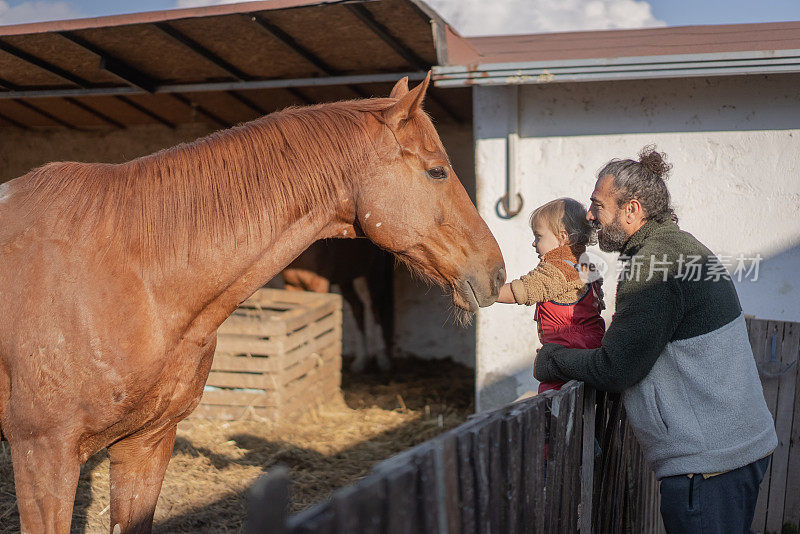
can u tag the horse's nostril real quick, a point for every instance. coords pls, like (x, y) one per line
(500, 278)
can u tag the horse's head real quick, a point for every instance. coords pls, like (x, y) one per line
(412, 204)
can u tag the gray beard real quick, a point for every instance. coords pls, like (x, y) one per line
(613, 237)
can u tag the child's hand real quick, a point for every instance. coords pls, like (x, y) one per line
(506, 295)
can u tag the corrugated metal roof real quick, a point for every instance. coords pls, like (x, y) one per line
(222, 63)
(619, 54)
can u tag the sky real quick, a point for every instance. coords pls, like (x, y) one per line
(478, 17)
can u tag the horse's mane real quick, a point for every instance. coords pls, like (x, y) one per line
(270, 170)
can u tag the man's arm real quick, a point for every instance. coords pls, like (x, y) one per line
(646, 318)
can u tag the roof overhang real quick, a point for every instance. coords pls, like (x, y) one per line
(222, 64)
(668, 52)
(620, 68)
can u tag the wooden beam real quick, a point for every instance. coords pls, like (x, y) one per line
(42, 64)
(14, 122)
(115, 66)
(88, 109)
(46, 114)
(395, 43)
(200, 109)
(275, 31)
(247, 102)
(201, 50)
(141, 109)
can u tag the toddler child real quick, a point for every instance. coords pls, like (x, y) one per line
(567, 307)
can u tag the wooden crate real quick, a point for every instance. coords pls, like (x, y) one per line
(277, 355)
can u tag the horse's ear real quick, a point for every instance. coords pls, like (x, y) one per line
(400, 89)
(408, 105)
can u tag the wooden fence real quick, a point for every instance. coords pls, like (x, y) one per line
(563, 461)
(776, 347)
(558, 462)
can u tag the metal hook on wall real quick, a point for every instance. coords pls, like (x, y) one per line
(503, 207)
(510, 204)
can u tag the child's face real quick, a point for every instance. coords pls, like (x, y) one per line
(544, 240)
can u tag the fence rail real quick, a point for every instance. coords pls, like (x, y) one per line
(564, 461)
(533, 466)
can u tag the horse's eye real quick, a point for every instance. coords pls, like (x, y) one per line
(437, 173)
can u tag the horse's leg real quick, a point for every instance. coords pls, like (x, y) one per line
(46, 471)
(373, 333)
(350, 294)
(138, 464)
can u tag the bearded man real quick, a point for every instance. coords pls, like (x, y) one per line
(678, 351)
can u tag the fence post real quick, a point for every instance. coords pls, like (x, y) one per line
(267, 502)
(587, 460)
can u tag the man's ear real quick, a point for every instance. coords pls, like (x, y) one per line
(634, 210)
(400, 89)
(408, 105)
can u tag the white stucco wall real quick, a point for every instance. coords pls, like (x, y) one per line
(733, 141)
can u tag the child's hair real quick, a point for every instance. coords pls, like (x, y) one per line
(568, 215)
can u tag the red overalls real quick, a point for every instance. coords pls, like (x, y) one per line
(576, 326)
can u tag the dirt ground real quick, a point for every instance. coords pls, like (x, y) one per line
(215, 462)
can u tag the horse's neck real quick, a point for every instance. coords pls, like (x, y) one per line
(219, 273)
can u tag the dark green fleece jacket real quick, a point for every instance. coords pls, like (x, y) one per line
(678, 350)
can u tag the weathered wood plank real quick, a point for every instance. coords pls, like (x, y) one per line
(574, 464)
(787, 352)
(224, 379)
(318, 519)
(762, 352)
(791, 512)
(587, 459)
(402, 516)
(511, 456)
(428, 491)
(268, 502)
(368, 501)
(467, 477)
(241, 364)
(482, 482)
(231, 341)
(233, 413)
(448, 485)
(533, 463)
(329, 323)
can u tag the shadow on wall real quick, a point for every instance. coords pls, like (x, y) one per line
(775, 293)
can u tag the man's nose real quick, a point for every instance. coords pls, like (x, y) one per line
(590, 216)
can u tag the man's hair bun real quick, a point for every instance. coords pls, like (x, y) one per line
(653, 161)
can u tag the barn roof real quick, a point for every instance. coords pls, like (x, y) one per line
(623, 54)
(229, 63)
(223, 64)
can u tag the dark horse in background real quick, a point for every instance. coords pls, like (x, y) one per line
(363, 274)
(115, 278)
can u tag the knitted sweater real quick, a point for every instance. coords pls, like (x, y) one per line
(553, 279)
(678, 349)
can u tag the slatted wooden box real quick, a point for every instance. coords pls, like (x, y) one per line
(278, 355)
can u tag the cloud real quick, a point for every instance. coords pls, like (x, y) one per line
(498, 17)
(36, 12)
(479, 17)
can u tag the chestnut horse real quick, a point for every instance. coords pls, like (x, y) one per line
(115, 278)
